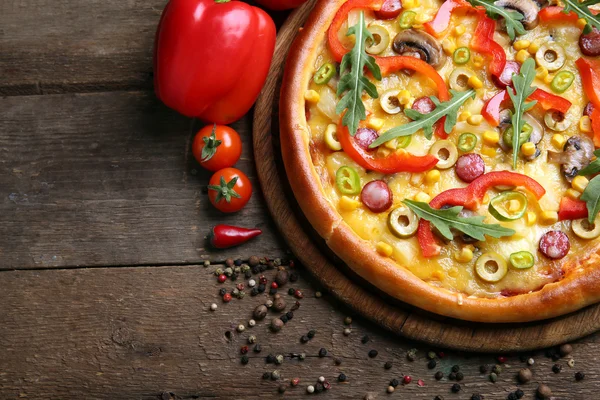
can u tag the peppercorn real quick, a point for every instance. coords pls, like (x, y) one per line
(544, 392)
(321, 379)
(477, 397)
(228, 271)
(226, 298)
(431, 355)
(406, 380)
(394, 382)
(257, 348)
(295, 381)
(279, 359)
(571, 363)
(282, 277)
(241, 295)
(438, 397)
(253, 261)
(275, 375)
(460, 376)
(251, 323)
(524, 375)
(439, 375)
(411, 355)
(269, 303)
(289, 315)
(579, 376)
(221, 278)
(244, 349)
(565, 349)
(342, 377)
(266, 375)
(319, 387)
(497, 369)
(261, 288)
(260, 312)
(310, 389)
(484, 369)
(556, 368)
(322, 352)
(270, 265)
(284, 319)
(270, 359)
(295, 306)
(347, 331)
(530, 361)
(213, 307)
(318, 294)
(272, 291)
(229, 262)
(248, 274)
(337, 361)
(511, 396)
(365, 339)
(455, 388)
(302, 356)
(452, 376)
(304, 339)
(519, 393)
(493, 377)
(291, 291)
(245, 359)
(387, 365)
(311, 333)
(441, 354)
(276, 324)
(432, 364)
(373, 353)
(254, 291)
(274, 285)
(501, 359)
(293, 277)
(347, 320)
(326, 385)
(390, 389)
(282, 389)
(298, 294)
(455, 368)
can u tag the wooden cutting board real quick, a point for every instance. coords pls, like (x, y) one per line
(397, 317)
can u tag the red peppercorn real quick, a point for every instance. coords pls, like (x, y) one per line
(227, 297)
(441, 354)
(274, 285)
(262, 280)
(244, 349)
(298, 294)
(327, 385)
(292, 264)
(222, 278)
(295, 381)
(240, 286)
(501, 359)
(406, 380)
(421, 383)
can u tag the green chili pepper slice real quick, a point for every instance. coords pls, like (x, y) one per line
(522, 260)
(403, 141)
(324, 74)
(407, 19)
(466, 141)
(347, 181)
(461, 56)
(508, 206)
(562, 81)
(523, 137)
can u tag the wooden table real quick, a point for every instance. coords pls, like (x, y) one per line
(102, 225)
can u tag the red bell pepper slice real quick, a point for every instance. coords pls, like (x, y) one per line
(471, 197)
(570, 209)
(595, 117)
(483, 42)
(335, 46)
(590, 77)
(441, 21)
(556, 14)
(400, 161)
(389, 65)
(548, 101)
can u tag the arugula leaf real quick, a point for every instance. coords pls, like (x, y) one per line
(353, 80)
(523, 89)
(594, 167)
(446, 219)
(512, 18)
(448, 109)
(582, 10)
(591, 196)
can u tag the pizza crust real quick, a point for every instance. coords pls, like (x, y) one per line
(578, 288)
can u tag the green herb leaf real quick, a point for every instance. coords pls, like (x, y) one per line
(448, 109)
(353, 81)
(523, 89)
(591, 196)
(512, 18)
(582, 10)
(594, 167)
(445, 220)
(210, 145)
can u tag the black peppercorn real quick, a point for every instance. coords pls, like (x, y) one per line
(257, 348)
(319, 387)
(579, 376)
(452, 376)
(460, 376)
(455, 388)
(519, 393)
(282, 389)
(293, 277)
(322, 352)
(222, 291)
(291, 291)
(439, 375)
(272, 291)
(248, 274)
(477, 397)
(261, 288)
(556, 368)
(289, 315)
(511, 396)
(394, 382)
(373, 353)
(234, 276)
(387, 365)
(438, 397)
(255, 270)
(311, 333)
(338, 361)
(497, 369)
(237, 262)
(254, 291)
(365, 339)
(266, 375)
(484, 369)
(245, 359)
(455, 368)
(284, 319)
(342, 377)
(432, 364)
(304, 339)
(270, 359)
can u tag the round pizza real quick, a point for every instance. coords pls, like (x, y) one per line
(446, 150)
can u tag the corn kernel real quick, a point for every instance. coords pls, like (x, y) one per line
(475, 82)
(312, 96)
(585, 124)
(579, 183)
(404, 97)
(581, 23)
(533, 48)
(384, 249)
(459, 30)
(522, 56)
(541, 72)
(490, 138)
(572, 194)
(417, 179)
(475, 120)
(558, 140)
(422, 196)
(464, 256)
(548, 79)
(464, 116)
(449, 46)
(422, 18)
(521, 44)
(375, 123)
(438, 275)
(488, 151)
(548, 217)
(453, 272)
(432, 176)
(348, 204)
(410, 3)
(528, 149)
(530, 218)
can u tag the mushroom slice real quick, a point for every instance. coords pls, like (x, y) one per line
(529, 9)
(419, 44)
(576, 155)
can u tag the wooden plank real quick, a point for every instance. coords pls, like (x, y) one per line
(109, 179)
(134, 333)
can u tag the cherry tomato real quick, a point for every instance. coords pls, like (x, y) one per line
(217, 147)
(229, 190)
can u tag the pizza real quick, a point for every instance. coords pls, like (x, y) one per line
(446, 151)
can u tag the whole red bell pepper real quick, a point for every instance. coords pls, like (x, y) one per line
(211, 57)
(280, 4)
(440, 23)
(225, 236)
(483, 42)
(471, 197)
(570, 209)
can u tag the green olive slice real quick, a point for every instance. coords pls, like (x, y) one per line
(389, 101)
(402, 222)
(459, 78)
(446, 153)
(551, 56)
(380, 41)
(585, 230)
(491, 267)
(331, 138)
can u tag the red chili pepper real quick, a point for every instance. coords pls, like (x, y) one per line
(441, 21)
(335, 46)
(556, 14)
(211, 58)
(471, 197)
(225, 236)
(483, 42)
(570, 209)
